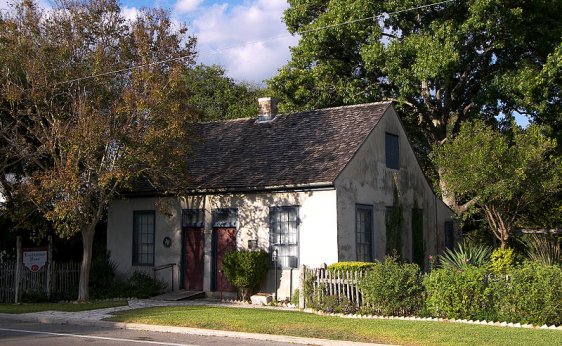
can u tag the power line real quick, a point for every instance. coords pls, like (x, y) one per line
(218, 51)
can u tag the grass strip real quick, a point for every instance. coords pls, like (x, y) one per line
(295, 323)
(69, 307)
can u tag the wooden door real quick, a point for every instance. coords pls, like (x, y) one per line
(193, 259)
(224, 240)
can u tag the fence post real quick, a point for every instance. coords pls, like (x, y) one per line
(302, 304)
(18, 269)
(49, 265)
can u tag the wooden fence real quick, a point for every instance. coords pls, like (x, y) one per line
(7, 282)
(63, 277)
(319, 283)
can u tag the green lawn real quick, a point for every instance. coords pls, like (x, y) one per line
(309, 325)
(70, 307)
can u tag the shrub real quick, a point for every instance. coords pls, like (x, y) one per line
(393, 288)
(462, 293)
(295, 297)
(246, 270)
(140, 285)
(34, 296)
(350, 266)
(335, 304)
(531, 294)
(502, 260)
(465, 255)
(102, 277)
(543, 249)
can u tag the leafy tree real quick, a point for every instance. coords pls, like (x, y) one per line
(216, 96)
(81, 140)
(443, 64)
(503, 175)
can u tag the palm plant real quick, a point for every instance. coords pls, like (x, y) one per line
(465, 254)
(543, 249)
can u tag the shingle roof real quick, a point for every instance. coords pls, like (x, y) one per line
(298, 149)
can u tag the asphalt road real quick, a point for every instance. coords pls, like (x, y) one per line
(35, 334)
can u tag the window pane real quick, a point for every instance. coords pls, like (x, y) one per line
(363, 229)
(143, 238)
(392, 151)
(284, 235)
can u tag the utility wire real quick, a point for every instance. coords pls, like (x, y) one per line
(219, 50)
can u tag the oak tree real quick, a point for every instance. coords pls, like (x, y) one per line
(444, 62)
(505, 175)
(90, 102)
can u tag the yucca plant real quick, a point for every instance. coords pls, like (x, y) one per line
(465, 254)
(543, 249)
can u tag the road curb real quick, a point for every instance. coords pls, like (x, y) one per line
(182, 330)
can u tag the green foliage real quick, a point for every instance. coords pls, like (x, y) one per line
(351, 266)
(543, 249)
(393, 288)
(502, 260)
(464, 294)
(34, 296)
(336, 304)
(102, 273)
(394, 220)
(465, 255)
(141, 285)
(418, 245)
(531, 294)
(246, 269)
(217, 97)
(503, 175)
(295, 297)
(83, 143)
(444, 64)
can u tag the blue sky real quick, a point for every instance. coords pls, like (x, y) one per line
(224, 29)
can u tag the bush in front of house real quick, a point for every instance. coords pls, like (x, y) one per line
(392, 288)
(531, 293)
(350, 266)
(246, 270)
(460, 293)
(336, 304)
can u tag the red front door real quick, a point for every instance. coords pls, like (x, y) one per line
(224, 240)
(193, 259)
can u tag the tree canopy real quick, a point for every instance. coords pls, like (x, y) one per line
(443, 63)
(78, 131)
(217, 97)
(509, 176)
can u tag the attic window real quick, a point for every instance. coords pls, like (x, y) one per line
(392, 150)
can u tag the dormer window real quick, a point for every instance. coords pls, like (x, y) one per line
(392, 150)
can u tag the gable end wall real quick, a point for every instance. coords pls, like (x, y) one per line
(366, 180)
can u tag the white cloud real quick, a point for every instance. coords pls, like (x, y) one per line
(130, 13)
(185, 6)
(249, 39)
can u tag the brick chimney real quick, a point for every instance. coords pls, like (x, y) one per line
(268, 109)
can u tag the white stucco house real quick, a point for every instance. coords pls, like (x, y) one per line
(316, 186)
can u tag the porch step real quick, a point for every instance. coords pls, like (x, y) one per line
(180, 295)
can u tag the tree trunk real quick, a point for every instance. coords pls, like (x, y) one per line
(447, 196)
(87, 243)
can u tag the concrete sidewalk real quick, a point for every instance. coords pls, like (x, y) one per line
(95, 318)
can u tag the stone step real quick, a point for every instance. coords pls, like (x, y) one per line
(180, 295)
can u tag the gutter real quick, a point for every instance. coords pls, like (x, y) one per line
(233, 190)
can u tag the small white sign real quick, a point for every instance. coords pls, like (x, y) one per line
(34, 259)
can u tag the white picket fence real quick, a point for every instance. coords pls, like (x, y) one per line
(337, 283)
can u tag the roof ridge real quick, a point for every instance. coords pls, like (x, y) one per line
(306, 111)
